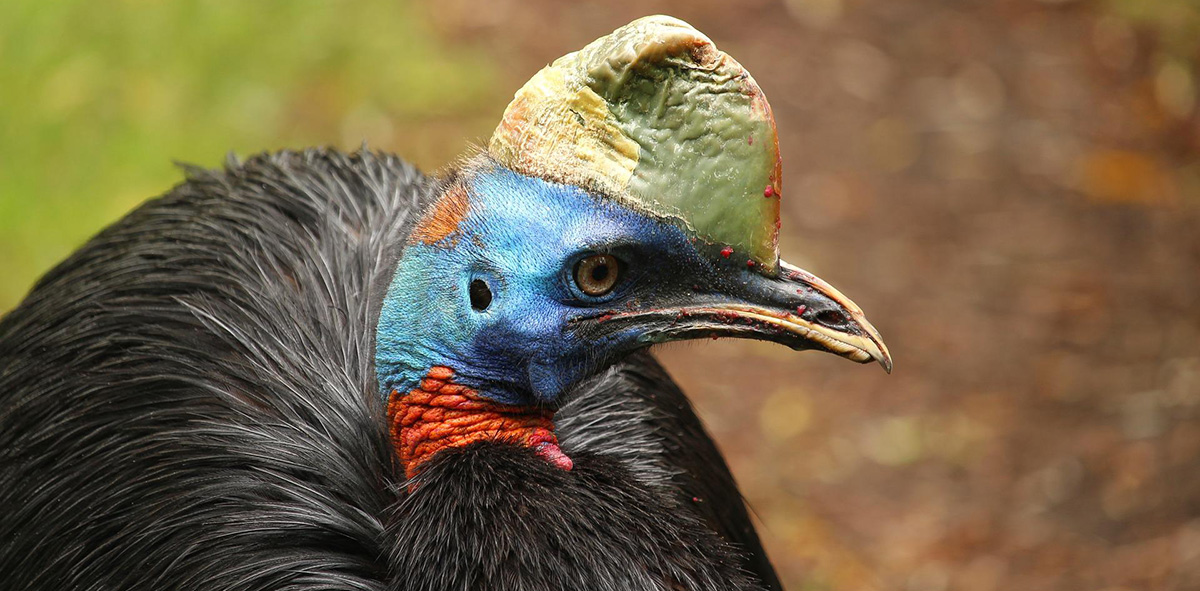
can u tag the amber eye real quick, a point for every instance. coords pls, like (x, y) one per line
(597, 274)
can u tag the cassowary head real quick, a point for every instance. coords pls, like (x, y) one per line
(630, 196)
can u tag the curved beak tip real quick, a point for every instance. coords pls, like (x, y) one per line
(885, 360)
(873, 347)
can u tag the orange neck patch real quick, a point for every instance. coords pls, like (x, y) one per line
(439, 414)
(443, 218)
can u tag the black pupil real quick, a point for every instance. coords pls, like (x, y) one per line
(481, 295)
(600, 273)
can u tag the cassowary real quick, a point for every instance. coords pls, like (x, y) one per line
(317, 370)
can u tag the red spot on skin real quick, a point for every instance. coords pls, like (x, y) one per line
(727, 252)
(769, 192)
(695, 499)
(727, 316)
(800, 309)
(750, 263)
(750, 141)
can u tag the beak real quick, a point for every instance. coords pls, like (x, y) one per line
(795, 308)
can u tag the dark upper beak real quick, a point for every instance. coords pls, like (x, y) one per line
(794, 308)
(818, 313)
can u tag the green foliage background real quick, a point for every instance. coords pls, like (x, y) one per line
(1009, 188)
(98, 99)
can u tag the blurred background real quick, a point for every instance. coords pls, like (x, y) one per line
(1009, 188)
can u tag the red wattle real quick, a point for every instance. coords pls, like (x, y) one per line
(439, 414)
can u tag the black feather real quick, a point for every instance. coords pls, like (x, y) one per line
(189, 402)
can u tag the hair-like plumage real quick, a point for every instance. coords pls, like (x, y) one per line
(189, 402)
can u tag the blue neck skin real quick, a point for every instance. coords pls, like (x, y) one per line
(522, 236)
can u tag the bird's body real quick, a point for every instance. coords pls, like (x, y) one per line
(190, 402)
(315, 370)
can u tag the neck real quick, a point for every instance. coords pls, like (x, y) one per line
(438, 414)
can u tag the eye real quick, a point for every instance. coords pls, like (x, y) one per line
(481, 295)
(597, 274)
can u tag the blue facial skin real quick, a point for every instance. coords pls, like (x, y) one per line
(523, 236)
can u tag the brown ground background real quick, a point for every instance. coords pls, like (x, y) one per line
(1011, 191)
(1009, 188)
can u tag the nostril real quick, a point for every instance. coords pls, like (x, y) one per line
(831, 318)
